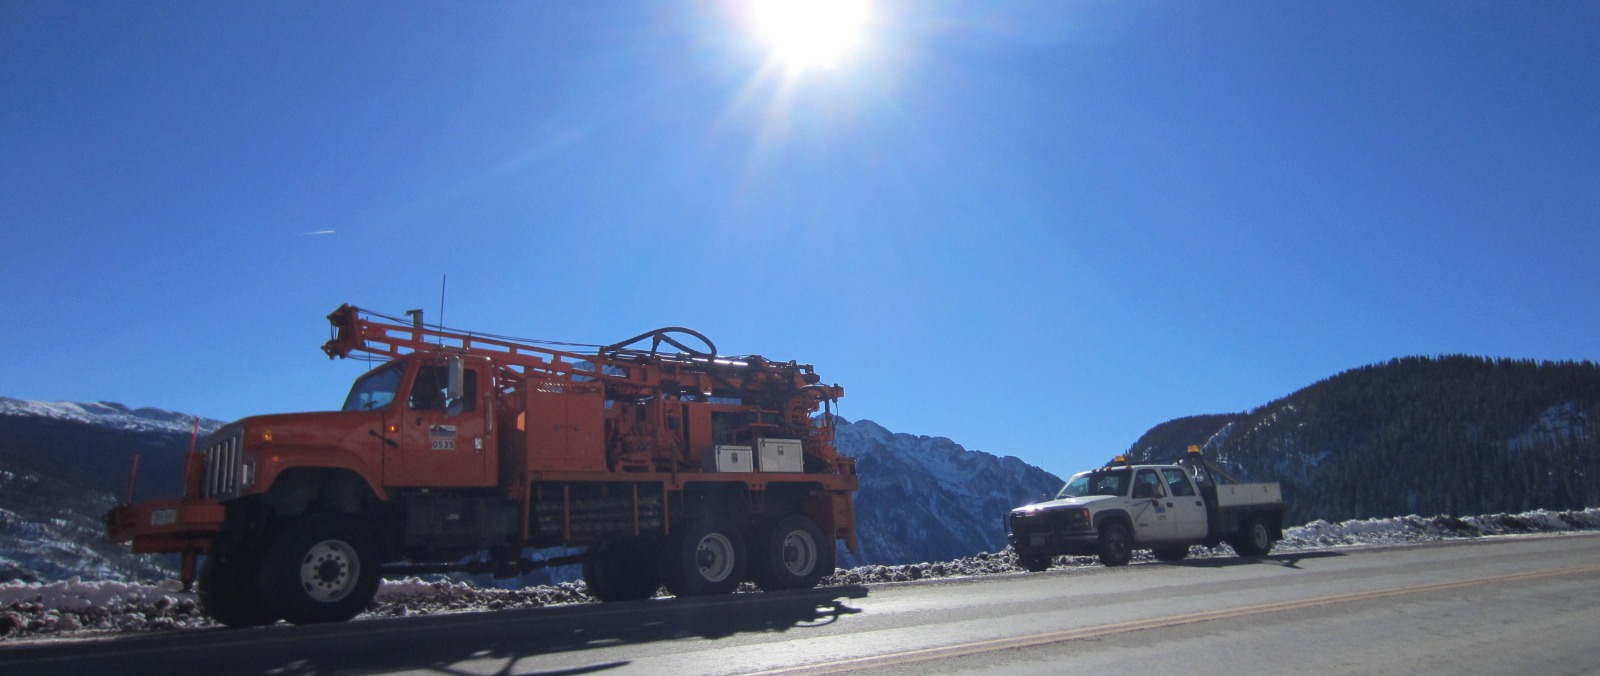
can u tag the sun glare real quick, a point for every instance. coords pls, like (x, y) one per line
(810, 33)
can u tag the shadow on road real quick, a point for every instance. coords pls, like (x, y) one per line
(1284, 560)
(487, 642)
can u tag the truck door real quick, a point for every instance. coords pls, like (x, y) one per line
(1152, 521)
(442, 443)
(1184, 505)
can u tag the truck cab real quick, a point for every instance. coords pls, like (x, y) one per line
(433, 421)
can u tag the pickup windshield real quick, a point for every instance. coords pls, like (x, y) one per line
(1103, 482)
(374, 390)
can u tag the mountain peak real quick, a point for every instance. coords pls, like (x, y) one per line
(110, 414)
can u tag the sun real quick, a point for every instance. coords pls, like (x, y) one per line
(809, 34)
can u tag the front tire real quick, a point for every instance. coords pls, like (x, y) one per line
(707, 558)
(323, 568)
(1033, 562)
(230, 590)
(1116, 545)
(791, 554)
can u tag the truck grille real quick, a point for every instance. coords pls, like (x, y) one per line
(222, 475)
(1050, 522)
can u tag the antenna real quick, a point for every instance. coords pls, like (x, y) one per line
(442, 279)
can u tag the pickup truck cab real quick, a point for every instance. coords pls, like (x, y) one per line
(1111, 511)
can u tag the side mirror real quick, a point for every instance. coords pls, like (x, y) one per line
(455, 389)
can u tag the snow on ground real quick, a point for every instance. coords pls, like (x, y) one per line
(78, 609)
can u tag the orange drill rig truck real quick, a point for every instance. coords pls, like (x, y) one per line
(673, 467)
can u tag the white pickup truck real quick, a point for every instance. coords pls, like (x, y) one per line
(1118, 508)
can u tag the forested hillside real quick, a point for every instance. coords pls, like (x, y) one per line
(1446, 435)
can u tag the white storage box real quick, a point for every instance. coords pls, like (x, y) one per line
(779, 455)
(1233, 495)
(732, 459)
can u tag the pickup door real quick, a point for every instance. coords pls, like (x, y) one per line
(1166, 507)
(1184, 503)
(1152, 506)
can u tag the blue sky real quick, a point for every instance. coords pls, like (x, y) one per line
(1038, 229)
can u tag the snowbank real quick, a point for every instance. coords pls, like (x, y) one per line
(1413, 528)
(78, 609)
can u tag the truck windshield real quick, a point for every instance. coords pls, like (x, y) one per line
(374, 390)
(1107, 482)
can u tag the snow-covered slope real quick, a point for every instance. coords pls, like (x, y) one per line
(928, 499)
(63, 464)
(109, 415)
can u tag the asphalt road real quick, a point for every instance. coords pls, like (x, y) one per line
(1512, 605)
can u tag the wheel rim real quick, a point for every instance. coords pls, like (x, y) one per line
(1259, 533)
(799, 553)
(1119, 543)
(713, 556)
(329, 571)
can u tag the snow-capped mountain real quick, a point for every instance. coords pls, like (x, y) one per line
(109, 415)
(928, 499)
(63, 464)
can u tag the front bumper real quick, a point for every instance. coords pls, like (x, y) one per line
(170, 525)
(1050, 532)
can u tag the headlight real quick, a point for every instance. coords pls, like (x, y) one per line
(1075, 518)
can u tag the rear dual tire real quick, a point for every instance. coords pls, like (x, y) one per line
(1255, 539)
(706, 559)
(711, 556)
(791, 553)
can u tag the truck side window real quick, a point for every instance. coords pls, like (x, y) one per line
(374, 390)
(1178, 483)
(1147, 485)
(430, 391)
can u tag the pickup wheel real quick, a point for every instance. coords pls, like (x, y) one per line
(323, 568)
(791, 554)
(622, 571)
(230, 590)
(1253, 540)
(706, 559)
(1172, 554)
(1032, 561)
(1116, 545)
